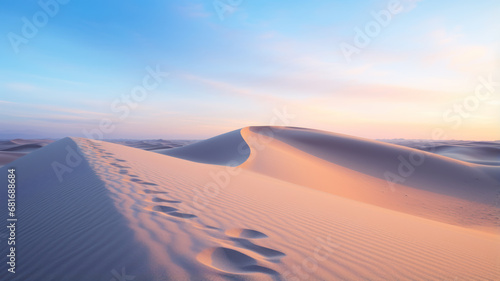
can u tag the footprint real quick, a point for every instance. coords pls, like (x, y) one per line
(182, 215)
(149, 191)
(241, 236)
(212, 227)
(245, 233)
(231, 261)
(123, 172)
(119, 166)
(156, 199)
(164, 209)
(263, 251)
(120, 160)
(138, 180)
(172, 212)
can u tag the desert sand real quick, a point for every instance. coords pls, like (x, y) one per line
(10, 150)
(260, 203)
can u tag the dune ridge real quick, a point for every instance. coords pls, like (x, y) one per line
(439, 188)
(228, 149)
(158, 217)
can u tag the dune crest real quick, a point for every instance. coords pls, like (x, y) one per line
(118, 209)
(228, 149)
(438, 188)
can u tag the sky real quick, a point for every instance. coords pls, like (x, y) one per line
(194, 69)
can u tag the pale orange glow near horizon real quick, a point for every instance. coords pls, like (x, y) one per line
(425, 69)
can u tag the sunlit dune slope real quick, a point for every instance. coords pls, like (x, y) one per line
(91, 210)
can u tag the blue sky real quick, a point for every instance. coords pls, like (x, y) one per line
(259, 58)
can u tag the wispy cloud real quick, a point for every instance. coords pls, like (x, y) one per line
(20, 87)
(195, 10)
(71, 111)
(231, 89)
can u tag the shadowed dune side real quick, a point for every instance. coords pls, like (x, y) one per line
(69, 229)
(228, 149)
(152, 144)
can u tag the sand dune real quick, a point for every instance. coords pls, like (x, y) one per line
(7, 156)
(120, 211)
(229, 149)
(484, 155)
(17, 142)
(437, 187)
(477, 152)
(10, 150)
(152, 144)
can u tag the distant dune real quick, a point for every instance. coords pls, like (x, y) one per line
(228, 149)
(477, 152)
(153, 144)
(260, 203)
(10, 150)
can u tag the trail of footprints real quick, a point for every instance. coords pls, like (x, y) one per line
(220, 258)
(233, 261)
(124, 170)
